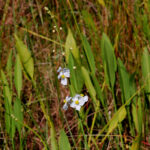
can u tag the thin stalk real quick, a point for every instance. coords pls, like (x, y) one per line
(82, 129)
(119, 126)
(47, 117)
(41, 36)
(70, 131)
(93, 123)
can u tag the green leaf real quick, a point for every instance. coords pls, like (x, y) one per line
(109, 60)
(7, 101)
(76, 78)
(121, 114)
(118, 117)
(6, 87)
(113, 125)
(54, 145)
(89, 84)
(7, 116)
(89, 54)
(88, 20)
(72, 90)
(9, 66)
(146, 70)
(63, 141)
(73, 79)
(25, 57)
(18, 114)
(137, 115)
(124, 81)
(70, 46)
(98, 89)
(18, 76)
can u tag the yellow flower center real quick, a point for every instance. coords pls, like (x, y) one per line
(63, 76)
(65, 101)
(81, 95)
(76, 102)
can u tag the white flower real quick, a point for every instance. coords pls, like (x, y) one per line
(63, 75)
(78, 101)
(59, 69)
(66, 102)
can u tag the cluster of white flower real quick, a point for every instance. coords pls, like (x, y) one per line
(79, 99)
(75, 102)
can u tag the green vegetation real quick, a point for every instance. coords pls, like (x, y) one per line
(99, 98)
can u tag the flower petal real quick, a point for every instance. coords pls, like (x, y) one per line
(82, 102)
(76, 97)
(73, 105)
(67, 74)
(65, 106)
(85, 98)
(59, 69)
(60, 74)
(68, 98)
(78, 107)
(64, 81)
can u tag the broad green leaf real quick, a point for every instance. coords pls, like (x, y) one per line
(121, 114)
(88, 20)
(70, 46)
(6, 87)
(7, 101)
(7, 116)
(9, 69)
(124, 81)
(97, 88)
(136, 106)
(9, 64)
(137, 115)
(109, 59)
(63, 141)
(146, 70)
(113, 125)
(18, 76)
(89, 54)
(89, 84)
(72, 90)
(118, 117)
(25, 57)
(76, 75)
(18, 114)
(73, 79)
(54, 145)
